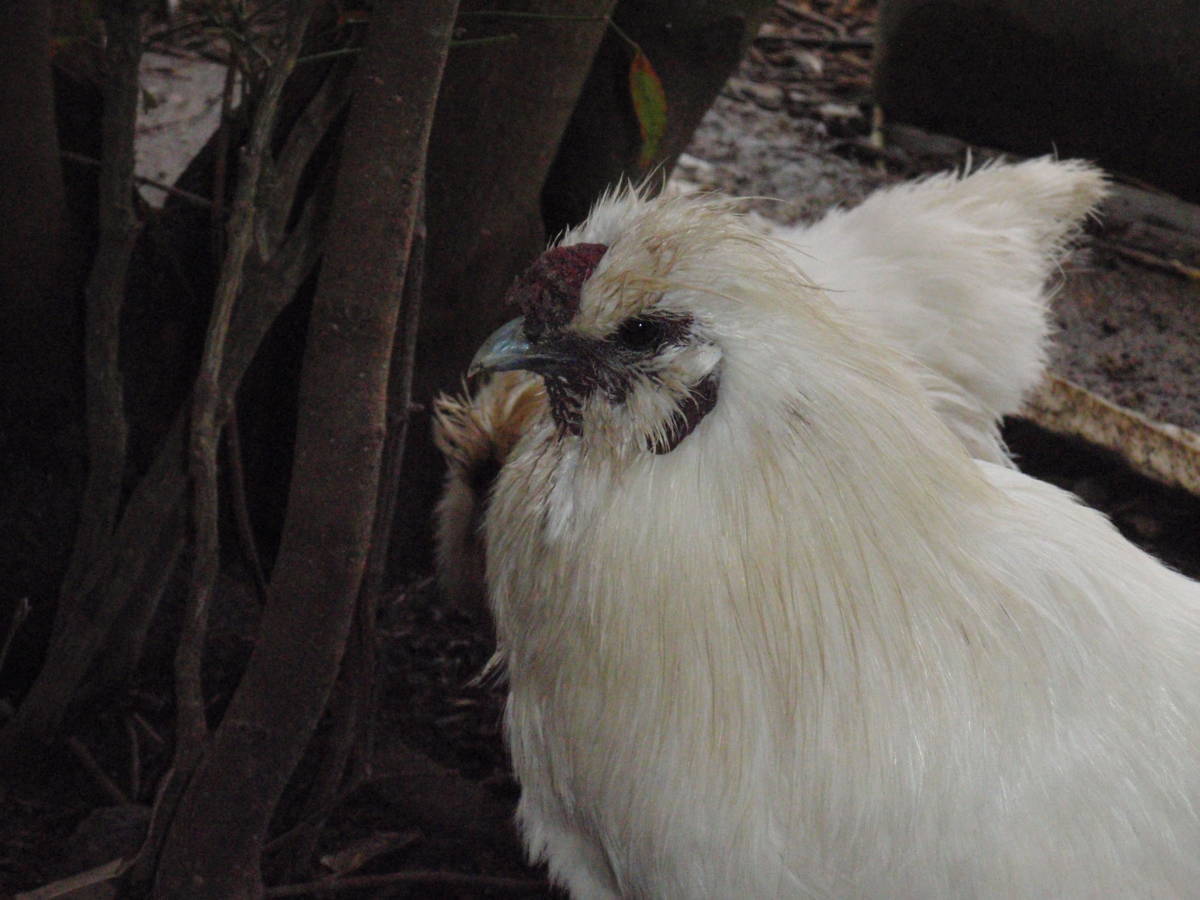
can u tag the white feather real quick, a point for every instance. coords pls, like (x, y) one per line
(952, 271)
(949, 271)
(818, 650)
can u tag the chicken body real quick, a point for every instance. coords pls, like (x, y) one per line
(771, 631)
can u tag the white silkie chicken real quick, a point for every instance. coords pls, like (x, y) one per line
(950, 271)
(770, 631)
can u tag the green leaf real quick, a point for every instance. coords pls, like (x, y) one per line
(650, 107)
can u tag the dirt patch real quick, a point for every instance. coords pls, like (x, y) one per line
(1131, 336)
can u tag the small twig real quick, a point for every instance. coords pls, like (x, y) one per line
(241, 510)
(520, 14)
(141, 179)
(107, 785)
(281, 841)
(417, 877)
(352, 707)
(208, 410)
(815, 17)
(328, 54)
(19, 614)
(76, 885)
(149, 729)
(484, 41)
(1150, 260)
(400, 379)
(355, 854)
(135, 759)
(547, 17)
(166, 797)
(305, 136)
(107, 427)
(814, 42)
(130, 556)
(349, 710)
(221, 153)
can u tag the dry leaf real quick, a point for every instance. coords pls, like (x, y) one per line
(650, 107)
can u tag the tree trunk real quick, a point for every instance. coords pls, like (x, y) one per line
(41, 277)
(40, 268)
(214, 844)
(694, 48)
(502, 112)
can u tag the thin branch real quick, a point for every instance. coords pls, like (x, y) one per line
(206, 412)
(75, 885)
(400, 381)
(816, 18)
(166, 796)
(105, 293)
(340, 431)
(536, 16)
(221, 152)
(774, 41)
(348, 710)
(307, 822)
(135, 759)
(125, 643)
(131, 558)
(241, 510)
(353, 706)
(140, 721)
(20, 613)
(329, 54)
(107, 785)
(1150, 260)
(194, 199)
(447, 880)
(302, 141)
(485, 41)
(399, 402)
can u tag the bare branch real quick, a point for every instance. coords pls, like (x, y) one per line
(399, 403)
(241, 510)
(445, 880)
(105, 292)
(302, 141)
(132, 567)
(20, 613)
(194, 199)
(205, 431)
(340, 432)
(107, 785)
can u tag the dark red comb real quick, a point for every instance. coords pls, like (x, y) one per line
(548, 291)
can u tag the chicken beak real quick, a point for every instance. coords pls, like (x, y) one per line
(508, 348)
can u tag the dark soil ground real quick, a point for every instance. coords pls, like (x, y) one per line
(792, 125)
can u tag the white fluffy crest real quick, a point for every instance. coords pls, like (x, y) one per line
(952, 272)
(817, 650)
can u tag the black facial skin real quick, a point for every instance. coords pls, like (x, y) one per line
(613, 365)
(575, 367)
(698, 404)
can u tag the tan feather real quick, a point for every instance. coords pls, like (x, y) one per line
(476, 433)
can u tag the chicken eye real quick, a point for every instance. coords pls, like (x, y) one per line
(642, 334)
